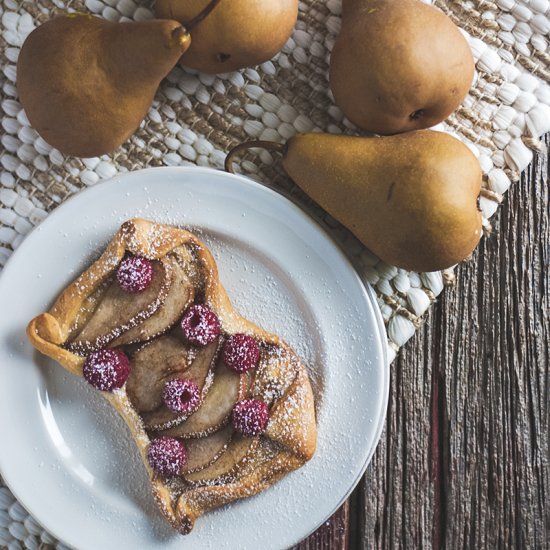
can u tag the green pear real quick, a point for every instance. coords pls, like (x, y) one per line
(412, 199)
(237, 34)
(87, 83)
(398, 65)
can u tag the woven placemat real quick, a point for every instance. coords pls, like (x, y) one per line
(197, 118)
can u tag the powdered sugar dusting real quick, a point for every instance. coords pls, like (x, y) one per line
(200, 325)
(167, 456)
(181, 395)
(134, 274)
(268, 297)
(106, 369)
(250, 417)
(351, 380)
(241, 352)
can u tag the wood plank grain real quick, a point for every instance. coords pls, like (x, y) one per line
(464, 460)
(332, 535)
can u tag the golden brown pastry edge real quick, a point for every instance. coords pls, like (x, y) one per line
(50, 330)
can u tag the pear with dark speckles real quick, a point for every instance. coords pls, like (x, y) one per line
(87, 83)
(237, 34)
(410, 198)
(398, 65)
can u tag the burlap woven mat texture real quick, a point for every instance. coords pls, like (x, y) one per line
(197, 118)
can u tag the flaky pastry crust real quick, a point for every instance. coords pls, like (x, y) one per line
(290, 438)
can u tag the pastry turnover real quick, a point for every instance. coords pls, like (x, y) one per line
(219, 409)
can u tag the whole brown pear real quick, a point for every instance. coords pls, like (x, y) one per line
(87, 83)
(410, 198)
(398, 65)
(236, 34)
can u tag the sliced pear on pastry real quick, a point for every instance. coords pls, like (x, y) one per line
(215, 412)
(203, 451)
(179, 298)
(275, 374)
(227, 466)
(152, 364)
(167, 358)
(119, 311)
(263, 451)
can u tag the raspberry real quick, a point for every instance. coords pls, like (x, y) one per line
(250, 417)
(181, 395)
(167, 456)
(106, 369)
(134, 274)
(200, 325)
(241, 352)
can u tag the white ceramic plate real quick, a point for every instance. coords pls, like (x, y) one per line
(68, 457)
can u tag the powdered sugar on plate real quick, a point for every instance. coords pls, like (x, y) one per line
(269, 297)
(282, 272)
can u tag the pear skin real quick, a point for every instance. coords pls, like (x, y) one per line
(398, 65)
(410, 198)
(237, 34)
(87, 83)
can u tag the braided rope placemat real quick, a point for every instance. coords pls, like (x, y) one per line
(197, 118)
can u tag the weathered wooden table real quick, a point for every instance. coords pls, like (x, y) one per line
(464, 461)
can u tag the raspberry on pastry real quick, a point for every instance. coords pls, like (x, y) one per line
(250, 417)
(134, 274)
(219, 409)
(181, 395)
(241, 353)
(167, 456)
(106, 369)
(200, 325)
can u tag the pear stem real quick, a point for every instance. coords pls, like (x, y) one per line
(202, 15)
(181, 37)
(260, 144)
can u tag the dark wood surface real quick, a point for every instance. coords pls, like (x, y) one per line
(464, 460)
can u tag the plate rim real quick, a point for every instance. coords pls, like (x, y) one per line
(321, 225)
